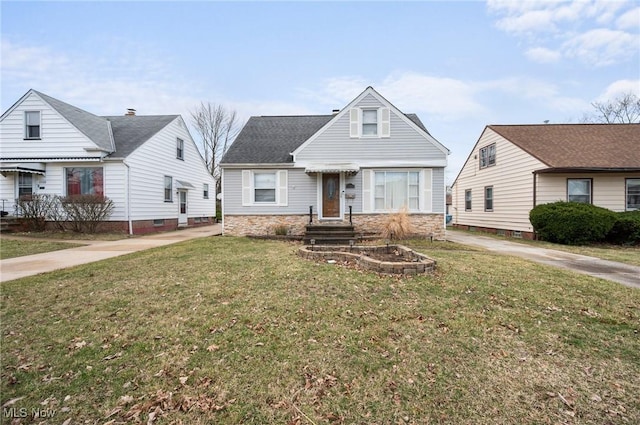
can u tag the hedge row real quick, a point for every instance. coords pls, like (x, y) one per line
(574, 223)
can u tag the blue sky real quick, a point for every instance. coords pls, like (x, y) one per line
(459, 65)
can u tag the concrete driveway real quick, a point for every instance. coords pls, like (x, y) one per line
(15, 268)
(617, 272)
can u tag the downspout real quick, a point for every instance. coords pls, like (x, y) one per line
(221, 198)
(535, 188)
(128, 197)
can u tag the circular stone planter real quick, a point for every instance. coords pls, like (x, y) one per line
(388, 259)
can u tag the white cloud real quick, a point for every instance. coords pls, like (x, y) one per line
(595, 32)
(543, 55)
(601, 46)
(618, 88)
(629, 20)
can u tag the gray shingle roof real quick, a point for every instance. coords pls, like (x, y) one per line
(129, 132)
(94, 127)
(270, 139)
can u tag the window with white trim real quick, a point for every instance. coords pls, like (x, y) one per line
(396, 189)
(467, 200)
(180, 149)
(488, 198)
(25, 184)
(632, 194)
(370, 122)
(488, 156)
(168, 189)
(205, 191)
(579, 190)
(264, 187)
(84, 181)
(32, 124)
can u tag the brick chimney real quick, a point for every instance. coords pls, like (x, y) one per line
(131, 111)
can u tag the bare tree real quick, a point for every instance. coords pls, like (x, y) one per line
(217, 127)
(623, 109)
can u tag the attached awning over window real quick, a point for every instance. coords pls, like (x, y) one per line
(344, 167)
(181, 184)
(22, 167)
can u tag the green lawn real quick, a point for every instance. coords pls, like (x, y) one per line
(234, 330)
(10, 248)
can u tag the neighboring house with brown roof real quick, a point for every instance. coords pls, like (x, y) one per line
(513, 168)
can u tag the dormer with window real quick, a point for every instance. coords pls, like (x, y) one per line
(32, 125)
(369, 122)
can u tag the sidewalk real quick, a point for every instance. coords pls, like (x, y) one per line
(617, 272)
(15, 268)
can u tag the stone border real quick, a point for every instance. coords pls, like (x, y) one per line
(412, 262)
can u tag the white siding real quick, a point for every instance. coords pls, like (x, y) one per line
(512, 182)
(608, 190)
(157, 158)
(58, 138)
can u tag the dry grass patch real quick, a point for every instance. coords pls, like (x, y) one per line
(234, 330)
(10, 248)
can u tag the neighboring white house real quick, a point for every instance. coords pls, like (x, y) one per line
(149, 166)
(512, 168)
(364, 161)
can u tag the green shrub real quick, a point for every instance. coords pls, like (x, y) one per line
(571, 223)
(626, 229)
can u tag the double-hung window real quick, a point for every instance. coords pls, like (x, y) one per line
(264, 186)
(84, 181)
(488, 198)
(633, 194)
(32, 124)
(396, 189)
(467, 200)
(488, 156)
(369, 122)
(579, 190)
(168, 189)
(180, 149)
(205, 191)
(25, 184)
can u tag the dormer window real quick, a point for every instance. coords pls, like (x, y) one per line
(370, 122)
(32, 124)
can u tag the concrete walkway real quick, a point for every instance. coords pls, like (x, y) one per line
(618, 272)
(15, 268)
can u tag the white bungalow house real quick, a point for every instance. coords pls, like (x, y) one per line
(513, 168)
(352, 166)
(149, 166)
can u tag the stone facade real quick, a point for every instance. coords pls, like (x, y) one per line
(425, 225)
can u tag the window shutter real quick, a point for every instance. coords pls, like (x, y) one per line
(354, 122)
(281, 186)
(385, 122)
(367, 182)
(246, 187)
(426, 200)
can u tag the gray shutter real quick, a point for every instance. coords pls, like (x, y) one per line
(367, 190)
(354, 122)
(281, 185)
(246, 187)
(385, 122)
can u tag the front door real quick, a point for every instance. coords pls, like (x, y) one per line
(331, 195)
(182, 208)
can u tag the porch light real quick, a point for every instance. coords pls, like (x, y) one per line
(312, 242)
